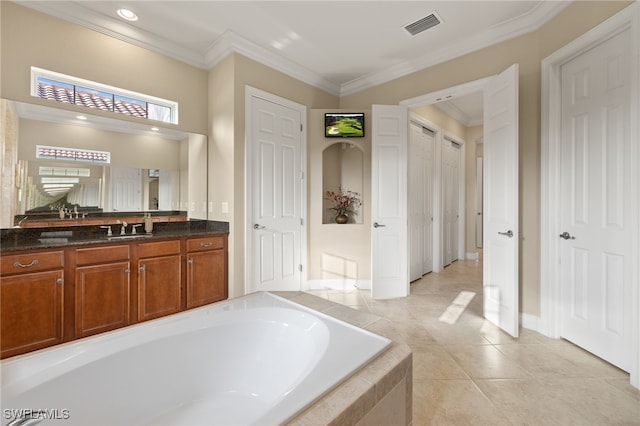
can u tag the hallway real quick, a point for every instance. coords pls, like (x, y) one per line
(470, 372)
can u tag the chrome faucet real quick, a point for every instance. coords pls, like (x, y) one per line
(22, 220)
(108, 228)
(124, 228)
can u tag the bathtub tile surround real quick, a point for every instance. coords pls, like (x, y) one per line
(380, 392)
(471, 372)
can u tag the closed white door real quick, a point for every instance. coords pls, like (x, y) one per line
(126, 189)
(450, 200)
(500, 247)
(92, 193)
(389, 215)
(276, 196)
(421, 141)
(596, 194)
(164, 190)
(479, 202)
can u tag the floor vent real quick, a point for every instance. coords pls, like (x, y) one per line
(423, 24)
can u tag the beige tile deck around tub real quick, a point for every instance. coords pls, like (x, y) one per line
(384, 384)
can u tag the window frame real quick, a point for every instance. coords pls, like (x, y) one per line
(37, 73)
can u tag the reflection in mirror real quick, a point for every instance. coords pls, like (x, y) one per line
(161, 169)
(48, 186)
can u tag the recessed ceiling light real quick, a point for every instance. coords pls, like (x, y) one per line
(155, 129)
(81, 117)
(127, 14)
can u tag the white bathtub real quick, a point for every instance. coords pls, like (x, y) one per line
(258, 359)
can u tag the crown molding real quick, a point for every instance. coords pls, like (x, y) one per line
(513, 28)
(231, 42)
(100, 23)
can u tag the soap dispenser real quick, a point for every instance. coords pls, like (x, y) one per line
(148, 223)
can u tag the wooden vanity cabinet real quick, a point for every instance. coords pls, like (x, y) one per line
(102, 287)
(206, 270)
(53, 296)
(31, 301)
(159, 279)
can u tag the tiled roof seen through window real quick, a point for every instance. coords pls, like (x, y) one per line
(77, 91)
(90, 98)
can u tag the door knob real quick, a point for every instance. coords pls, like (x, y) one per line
(509, 233)
(378, 225)
(256, 226)
(567, 236)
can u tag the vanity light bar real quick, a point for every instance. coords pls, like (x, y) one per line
(63, 171)
(59, 180)
(59, 153)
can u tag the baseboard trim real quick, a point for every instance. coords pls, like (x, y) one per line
(530, 322)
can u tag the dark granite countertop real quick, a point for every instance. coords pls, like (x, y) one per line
(12, 239)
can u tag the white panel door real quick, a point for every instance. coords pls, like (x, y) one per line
(164, 190)
(126, 189)
(91, 194)
(429, 155)
(500, 251)
(421, 141)
(389, 216)
(450, 200)
(479, 202)
(276, 216)
(596, 201)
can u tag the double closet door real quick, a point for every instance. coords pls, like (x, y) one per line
(425, 188)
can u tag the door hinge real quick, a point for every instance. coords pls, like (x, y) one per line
(300, 267)
(301, 222)
(300, 127)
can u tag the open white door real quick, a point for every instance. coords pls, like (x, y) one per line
(389, 242)
(597, 211)
(500, 272)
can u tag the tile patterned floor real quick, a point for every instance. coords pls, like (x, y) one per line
(472, 373)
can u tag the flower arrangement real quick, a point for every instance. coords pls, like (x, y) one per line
(344, 202)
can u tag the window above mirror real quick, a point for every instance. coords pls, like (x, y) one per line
(72, 90)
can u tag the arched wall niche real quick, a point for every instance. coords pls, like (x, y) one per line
(342, 168)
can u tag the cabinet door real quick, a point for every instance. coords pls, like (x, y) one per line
(206, 277)
(102, 298)
(31, 307)
(158, 287)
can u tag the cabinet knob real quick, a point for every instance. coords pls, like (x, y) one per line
(142, 268)
(190, 261)
(59, 281)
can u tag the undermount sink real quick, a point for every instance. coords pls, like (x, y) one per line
(128, 237)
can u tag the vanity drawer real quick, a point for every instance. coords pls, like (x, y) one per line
(103, 254)
(31, 262)
(160, 248)
(207, 243)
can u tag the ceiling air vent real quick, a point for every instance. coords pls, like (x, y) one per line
(423, 24)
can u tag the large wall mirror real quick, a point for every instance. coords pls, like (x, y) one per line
(150, 168)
